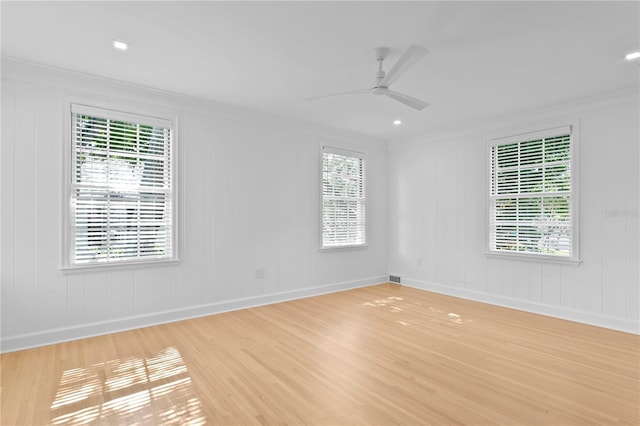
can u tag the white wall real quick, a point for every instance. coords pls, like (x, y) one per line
(249, 197)
(232, 220)
(437, 197)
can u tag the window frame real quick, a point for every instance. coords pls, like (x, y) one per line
(528, 134)
(124, 113)
(347, 153)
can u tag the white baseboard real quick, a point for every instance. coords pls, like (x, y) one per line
(620, 324)
(65, 334)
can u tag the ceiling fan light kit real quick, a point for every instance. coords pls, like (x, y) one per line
(384, 79)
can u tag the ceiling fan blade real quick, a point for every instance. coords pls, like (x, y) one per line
(407, 100)
(352, 92)
(412, 55)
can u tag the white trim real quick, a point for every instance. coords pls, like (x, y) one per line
(527, 133)
(532, 257)
(575, 191)
(345, 153)
(571, 108)
(144, 114)
(583, 317)
(65, 334)
(353, 247)
(113, 114)
(105, 266)
(539, 134)
(28, 71)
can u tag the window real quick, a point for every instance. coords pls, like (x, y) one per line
(343, 199)
(121, 188)
(532, 203)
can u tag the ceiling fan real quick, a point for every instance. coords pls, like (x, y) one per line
(383, 80)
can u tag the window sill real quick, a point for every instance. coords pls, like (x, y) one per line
(534, 258)
(117, 266)
(340, 248)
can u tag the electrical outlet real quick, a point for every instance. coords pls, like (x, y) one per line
(259, 272)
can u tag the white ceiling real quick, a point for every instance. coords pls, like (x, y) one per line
(486, 59)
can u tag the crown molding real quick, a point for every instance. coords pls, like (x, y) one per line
(565, 109)
(76, 83)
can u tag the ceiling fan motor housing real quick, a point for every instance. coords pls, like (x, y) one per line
(381, 53)
(379, 76)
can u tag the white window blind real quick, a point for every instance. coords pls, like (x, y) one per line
(121, 187)
(531, 206)
(343, 199)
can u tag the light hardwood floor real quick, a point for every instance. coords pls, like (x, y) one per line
(382, 355)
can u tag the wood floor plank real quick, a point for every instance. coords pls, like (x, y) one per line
(382, 355)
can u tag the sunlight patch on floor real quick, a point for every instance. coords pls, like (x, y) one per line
(434, 312)
(155, 390)
(385, 302)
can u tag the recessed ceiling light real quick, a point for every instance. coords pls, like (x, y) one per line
(397, 122)
(120, 45)
(633, 55)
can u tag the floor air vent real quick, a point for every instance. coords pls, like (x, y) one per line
(394, 279)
